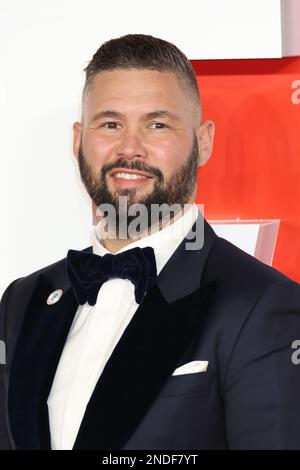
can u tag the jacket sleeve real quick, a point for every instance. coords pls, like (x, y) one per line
(4, 437)
(262, 385)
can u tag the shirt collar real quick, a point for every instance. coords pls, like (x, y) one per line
(164, 242)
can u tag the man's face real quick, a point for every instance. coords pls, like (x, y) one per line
(138, 138)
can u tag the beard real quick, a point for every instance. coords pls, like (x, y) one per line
(174, 192)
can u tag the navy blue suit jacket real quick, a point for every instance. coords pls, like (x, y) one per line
(215, 304)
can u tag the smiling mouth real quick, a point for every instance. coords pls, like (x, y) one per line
(129, 176)
(125, 177)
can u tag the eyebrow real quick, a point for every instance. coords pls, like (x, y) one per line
(151, 115)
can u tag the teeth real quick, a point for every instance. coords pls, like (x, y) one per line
(128, 176)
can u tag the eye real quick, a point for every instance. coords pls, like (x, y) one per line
(109, 125)
(161, 125)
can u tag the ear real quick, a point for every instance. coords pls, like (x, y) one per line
(205, 136)
(77, 131)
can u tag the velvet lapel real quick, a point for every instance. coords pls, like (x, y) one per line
(149, 350)
(37, 352)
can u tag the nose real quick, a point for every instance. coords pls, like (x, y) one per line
(131, 145)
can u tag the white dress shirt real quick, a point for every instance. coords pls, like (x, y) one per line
(96, 330)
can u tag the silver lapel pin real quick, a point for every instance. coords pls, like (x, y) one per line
(54, 296)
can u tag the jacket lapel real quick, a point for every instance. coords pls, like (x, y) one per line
(40, 342)
(144, 358)
(149, 350)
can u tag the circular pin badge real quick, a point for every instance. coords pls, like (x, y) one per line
(54, 296)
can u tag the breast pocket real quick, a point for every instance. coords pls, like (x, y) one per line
(187, 384)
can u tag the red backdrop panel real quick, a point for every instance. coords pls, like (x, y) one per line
(254, 171)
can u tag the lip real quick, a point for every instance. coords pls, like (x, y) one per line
(130, 172)
(132, 183)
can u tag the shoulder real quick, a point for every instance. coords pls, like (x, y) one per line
(26, 283)
(251, 296)
(255, 312)
(238, 268)
(19, 291)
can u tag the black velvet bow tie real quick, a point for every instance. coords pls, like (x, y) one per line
(87, 271)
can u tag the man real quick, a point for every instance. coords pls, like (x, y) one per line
(148, 342)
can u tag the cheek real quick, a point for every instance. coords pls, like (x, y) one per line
(96, 150)
(169, 156)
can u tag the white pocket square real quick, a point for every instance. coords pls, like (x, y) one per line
(193, 367)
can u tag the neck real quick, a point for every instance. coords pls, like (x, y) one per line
(115, 244)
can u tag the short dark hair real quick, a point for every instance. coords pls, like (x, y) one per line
(141, 51)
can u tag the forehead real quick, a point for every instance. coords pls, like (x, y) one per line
(135, 88)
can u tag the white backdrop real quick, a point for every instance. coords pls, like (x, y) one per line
(44, 47)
